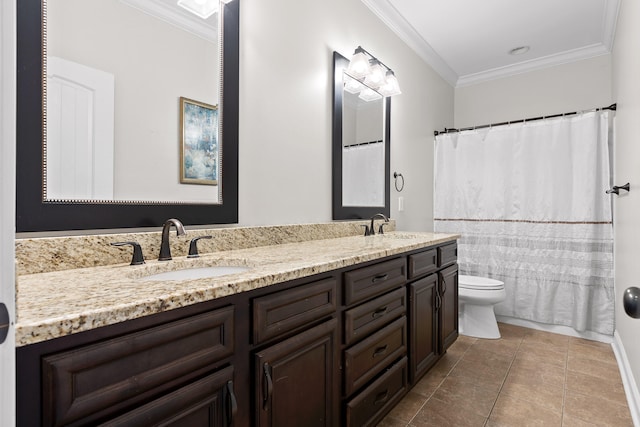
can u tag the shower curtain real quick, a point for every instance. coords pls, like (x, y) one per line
(529, 201)
(363, 175)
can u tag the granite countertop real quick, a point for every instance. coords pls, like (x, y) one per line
(59, 303)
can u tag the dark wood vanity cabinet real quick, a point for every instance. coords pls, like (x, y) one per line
(433, 307)
(448, 315)
(93, 383)
(296, 382)
(338, 348)
(296, 378)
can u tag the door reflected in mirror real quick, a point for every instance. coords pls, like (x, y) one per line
(116, 70)
(363, 152)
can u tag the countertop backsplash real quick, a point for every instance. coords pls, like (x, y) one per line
(48, 254)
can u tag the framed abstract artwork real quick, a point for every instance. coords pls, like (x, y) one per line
(199, 151)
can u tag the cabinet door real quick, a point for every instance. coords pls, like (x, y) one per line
(207, 402)
(296, 380)
(448, 317)
(423, 314)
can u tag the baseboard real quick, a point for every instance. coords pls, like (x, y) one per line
(556, 329)
(630, 386)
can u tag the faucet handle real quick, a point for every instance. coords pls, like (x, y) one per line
(367, 230)
(381, 229)
(137, 258)
(193, 246)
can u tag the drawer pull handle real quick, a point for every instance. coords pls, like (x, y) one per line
(379, 312)
(438, 302)
(232, 404)
(267, 387)
(380, 277)
(444, 285)
(380, 351)
(381, 397)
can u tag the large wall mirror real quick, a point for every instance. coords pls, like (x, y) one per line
(361, 141)
(127, 114)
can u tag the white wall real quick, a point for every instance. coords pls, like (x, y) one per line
(576, 86)
(626, 90)
(285, 109)
(7, 210)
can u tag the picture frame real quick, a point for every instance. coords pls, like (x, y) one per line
(199, 149)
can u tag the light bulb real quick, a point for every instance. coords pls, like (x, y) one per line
(375, 78)
(359, 65)
(391, 86)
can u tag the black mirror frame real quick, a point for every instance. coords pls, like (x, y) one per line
(341, 63)
(34, 214)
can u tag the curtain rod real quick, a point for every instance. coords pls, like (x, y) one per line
(611, 107)
(358, 144)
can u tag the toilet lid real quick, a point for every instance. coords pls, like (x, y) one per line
(476, 282)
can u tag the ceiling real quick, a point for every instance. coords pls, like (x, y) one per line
(468, 41)
(170, 12)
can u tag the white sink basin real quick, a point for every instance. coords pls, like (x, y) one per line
(196, 273)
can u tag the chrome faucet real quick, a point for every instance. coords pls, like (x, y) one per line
(370, 231)
(165, 249)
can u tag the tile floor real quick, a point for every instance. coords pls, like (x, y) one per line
(526, 378)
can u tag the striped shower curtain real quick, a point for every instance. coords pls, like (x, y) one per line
(529, 201)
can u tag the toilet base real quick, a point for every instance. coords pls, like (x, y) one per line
(478, 321)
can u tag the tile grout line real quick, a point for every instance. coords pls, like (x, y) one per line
(564, 384)
(438, 386)
(503, 381)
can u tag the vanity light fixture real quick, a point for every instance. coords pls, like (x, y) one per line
(391, 86)
(352, 85)
(376, 75)
(202, 8)
(359, 66)
(369, 95)
(368, 76)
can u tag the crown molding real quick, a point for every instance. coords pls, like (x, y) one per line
(396, 22)
(182, 20)
(610, 19)
(399, 25)
(534, 64)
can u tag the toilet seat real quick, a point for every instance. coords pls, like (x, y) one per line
(479, 283)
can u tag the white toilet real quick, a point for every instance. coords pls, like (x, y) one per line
(476, 298)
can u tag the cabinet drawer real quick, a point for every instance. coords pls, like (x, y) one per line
(288, 310)
(206, 402)
(423, 263)
(366, 359)
(447, 254)
(371, 316)
(376, 279)
(368, 407)
(93, 381)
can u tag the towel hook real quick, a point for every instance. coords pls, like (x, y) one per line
(397, 175)
(616, 189)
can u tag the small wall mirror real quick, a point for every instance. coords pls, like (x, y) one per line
(361, 141)
(120, 115)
